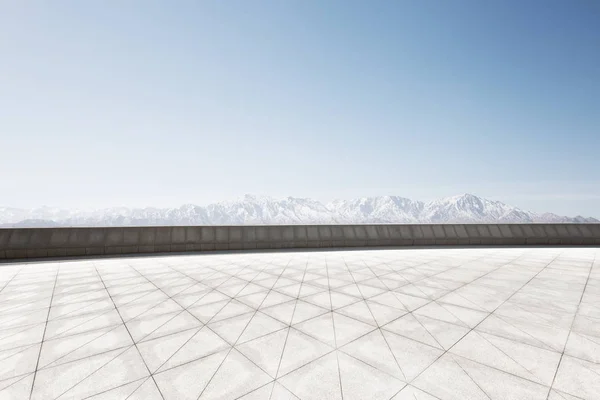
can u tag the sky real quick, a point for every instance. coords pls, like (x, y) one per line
(158, 103)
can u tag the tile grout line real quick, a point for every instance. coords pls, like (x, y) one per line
(500, 266)
(233, 346)
(288, 332)
(44, 334)
(143, 380)
(571, 328)
(185, 309)
(378, 328)
(470, 377)
(11, 279)
(480, 322)
(334, 334)
(410, 312)
(130, 336)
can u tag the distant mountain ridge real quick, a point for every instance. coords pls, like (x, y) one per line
(466, 208)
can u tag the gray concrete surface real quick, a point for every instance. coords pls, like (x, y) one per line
(404, 324)
(62, 242)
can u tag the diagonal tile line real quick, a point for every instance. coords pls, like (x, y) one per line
(181, 288)
(272, 382)
(126, 290)
(20, 330)
(288, 334)
(395, 272)
(380, 332)
(588, 337)
(162, 281)
(213, 289)
(185, 309)
(543, 345)
(366, 363)
(346, 316)
(18, 305)
(207, 278)
(546, 303)
(121, 283)
(190, 361)
(482, 276)
(54, 364)
(127, 329)
(500, 350)
(476, 306)
(296, 369)
(44, 334)
(11, 279)
(68, 315)
(446, 284)
(428, 297)
(454, 315)
(195, 288)
(427, 330)
(278, 290)
(230, 348)
(137, 388)
(76, 296)
(571, 328)
(471, 378)
(406, 337)
(21, 297)
(560, 394)
(532, 313)
(413, 283)
(471, 329)
(142, 380)
(142, 313)
(21, 377)
(401, 389)
(235, 343)
(415, 396)
(24, 348)
(93, 372)
(63, 333)
(334, 334)
(582, 364)
(183, 345)
(177, 314)
(589, 318)
(395, 294)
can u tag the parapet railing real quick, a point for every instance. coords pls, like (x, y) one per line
(20, 243)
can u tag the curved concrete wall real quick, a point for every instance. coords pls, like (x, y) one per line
(61, 242)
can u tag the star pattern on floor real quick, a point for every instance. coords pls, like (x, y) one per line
(479, 323)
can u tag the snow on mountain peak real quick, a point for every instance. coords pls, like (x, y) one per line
(252, 209)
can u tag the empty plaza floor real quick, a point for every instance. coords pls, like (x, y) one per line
(455, 324)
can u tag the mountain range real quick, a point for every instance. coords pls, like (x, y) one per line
(466, 208)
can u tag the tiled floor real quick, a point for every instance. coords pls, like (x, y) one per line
(460, 324)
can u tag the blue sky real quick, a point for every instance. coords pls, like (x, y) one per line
(163, 103)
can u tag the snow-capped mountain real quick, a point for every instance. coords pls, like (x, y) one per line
(470, 208)
(384, 209)
(465, 208)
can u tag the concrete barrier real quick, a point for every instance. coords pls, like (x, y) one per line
(64, 242)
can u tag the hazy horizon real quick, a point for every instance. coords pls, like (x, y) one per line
(252, 196)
